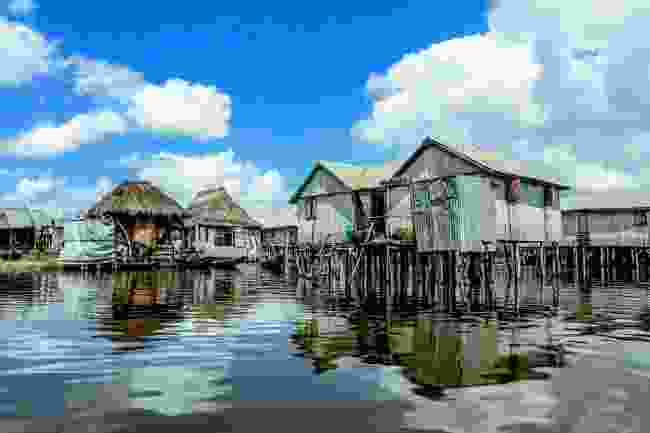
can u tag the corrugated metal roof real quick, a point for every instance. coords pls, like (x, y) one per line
(352, 176)
(607, 200)
(490, 161)
(359, 176)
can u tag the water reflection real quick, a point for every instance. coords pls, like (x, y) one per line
(179, 339)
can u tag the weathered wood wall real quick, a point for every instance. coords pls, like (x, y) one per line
(526, 220)
(333, 213)
(277, 235)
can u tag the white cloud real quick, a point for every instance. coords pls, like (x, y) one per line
(47, 140)
(24, 54)
(55, 193)
(176, 107)
(179, 107)
(29, 188)
(22, 7)
(100, 78)
(440, 88)
(587, 176)
(185, 175)
(548, 73)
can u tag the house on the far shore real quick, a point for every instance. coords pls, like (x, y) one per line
(21, 227)
(607, 218)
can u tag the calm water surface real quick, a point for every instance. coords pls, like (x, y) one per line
(194, 342)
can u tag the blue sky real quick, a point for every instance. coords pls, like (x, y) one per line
(97, 93)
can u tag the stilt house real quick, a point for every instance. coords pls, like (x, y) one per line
(338, 199)
(610, 217)
(458, 199)
(142, 213)
(217, 220)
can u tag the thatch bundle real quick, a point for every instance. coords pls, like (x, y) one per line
(218, 207)
(137, 198)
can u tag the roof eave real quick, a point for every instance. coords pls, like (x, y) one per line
(430, 142)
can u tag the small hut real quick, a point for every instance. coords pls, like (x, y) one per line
(218, 221)
(607, 217)
(142, 213)
(337, 199)
(17, 230)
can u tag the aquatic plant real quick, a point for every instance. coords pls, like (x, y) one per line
(404, 233)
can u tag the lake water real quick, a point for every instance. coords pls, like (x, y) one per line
(248, 349)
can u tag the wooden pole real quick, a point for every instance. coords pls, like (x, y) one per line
(286, 253)
(542, 262)
(517, 265)
(388, 272)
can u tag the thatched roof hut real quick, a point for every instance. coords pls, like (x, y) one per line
(214, 206)
(137, 198)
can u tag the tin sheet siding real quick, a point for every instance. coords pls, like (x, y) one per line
(554, 224)
(437, 163)
(527, 223)
(502, 229)
(432, 162)
(332, 212)
(333, 216)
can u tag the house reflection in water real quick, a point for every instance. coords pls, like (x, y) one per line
(143, 302)
(434, 354)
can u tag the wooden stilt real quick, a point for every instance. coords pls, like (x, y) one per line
(517, 266)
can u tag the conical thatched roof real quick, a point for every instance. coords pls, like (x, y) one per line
(137, 198)
(216, 206)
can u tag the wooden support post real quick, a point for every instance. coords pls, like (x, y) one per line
(388, 273)
(517, 267)
(413, 270)
(603, 261)
(542, 263)
(576, 264)
(474, 277)
(286, 254)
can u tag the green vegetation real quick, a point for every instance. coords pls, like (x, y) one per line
(404, 233)
(323, 349)
(136, 197)
(217, 200)
(35, 262)
(125, 281)
(233, 215)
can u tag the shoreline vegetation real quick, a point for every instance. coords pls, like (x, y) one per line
(33, 262)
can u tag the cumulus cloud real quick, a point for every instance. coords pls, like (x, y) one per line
(47, 140)
(181, 108)
(100, 78)
(185, 175)
(547, 73)
(175, 107)
(55, 193)
(22, 7)
(24, 54)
